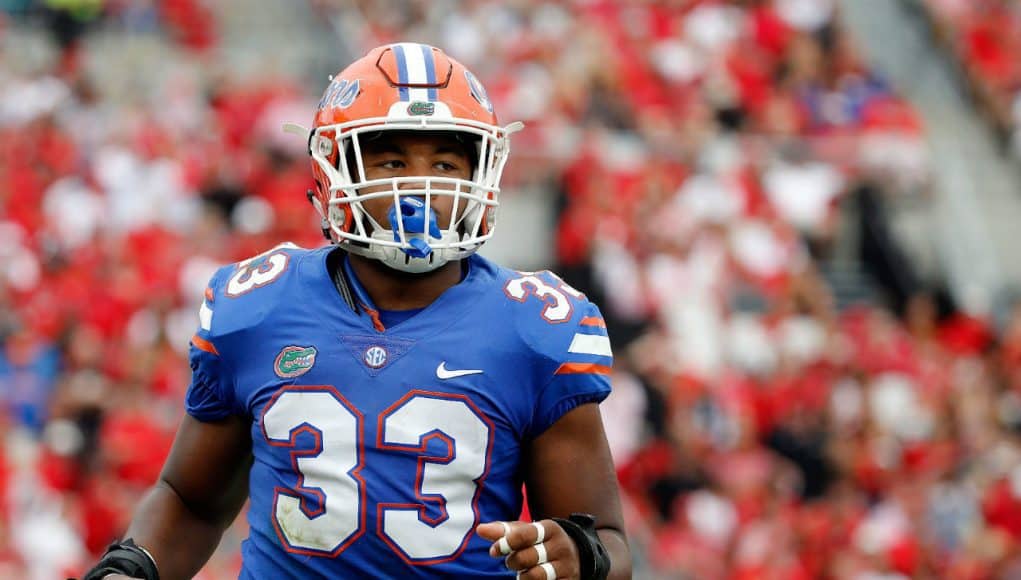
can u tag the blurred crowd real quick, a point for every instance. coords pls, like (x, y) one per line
(702, 153)
(985, 37)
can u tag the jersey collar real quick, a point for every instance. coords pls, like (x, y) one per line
(458, 295)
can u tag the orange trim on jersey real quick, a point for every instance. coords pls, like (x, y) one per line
(374, 315)
(203, 344)
(582, 369)
(593, 321)
(209, 294)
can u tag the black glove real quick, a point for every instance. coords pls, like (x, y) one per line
(126, 558)
(594, 559)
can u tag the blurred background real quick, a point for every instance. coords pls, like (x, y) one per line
(798, 217)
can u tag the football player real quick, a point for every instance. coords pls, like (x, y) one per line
(383, 400)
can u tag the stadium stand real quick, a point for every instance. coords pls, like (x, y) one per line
(985, 37)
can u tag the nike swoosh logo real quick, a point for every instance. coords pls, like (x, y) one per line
(443, 373)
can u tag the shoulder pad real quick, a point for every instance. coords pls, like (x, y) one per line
(232, 300)
(558, 322)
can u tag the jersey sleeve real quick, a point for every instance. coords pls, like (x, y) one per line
(210, 395)
(582, 360)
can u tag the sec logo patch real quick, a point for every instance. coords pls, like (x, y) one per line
(375, 357)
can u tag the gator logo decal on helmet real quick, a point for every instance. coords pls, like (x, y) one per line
(294, 361)
(420, 108)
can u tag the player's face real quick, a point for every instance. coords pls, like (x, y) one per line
(415, 154)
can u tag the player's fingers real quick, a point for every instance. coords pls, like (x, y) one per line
(492, 531)
(544, 571)
(540, 532)
(557, 548)
(521, 535)
(532, 556)
(497, 533)
(503, 544)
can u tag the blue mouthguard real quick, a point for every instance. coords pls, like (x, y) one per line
(413, 217)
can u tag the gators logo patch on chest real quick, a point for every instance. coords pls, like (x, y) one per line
(294, 361)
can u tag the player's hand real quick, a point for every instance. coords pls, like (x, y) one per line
(533, 553)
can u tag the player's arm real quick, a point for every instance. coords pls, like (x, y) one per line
(199, 493)
(569, 470)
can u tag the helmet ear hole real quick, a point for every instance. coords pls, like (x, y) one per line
(323, 146)
(488, 220)
(341, 217)
(488, 216)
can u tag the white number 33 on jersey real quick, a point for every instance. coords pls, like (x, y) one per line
(258, 271)
(558, 307)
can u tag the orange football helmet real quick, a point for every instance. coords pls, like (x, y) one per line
(406, 87)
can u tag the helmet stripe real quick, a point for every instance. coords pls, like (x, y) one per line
(430, 69)
(411, 62)
(402, 71)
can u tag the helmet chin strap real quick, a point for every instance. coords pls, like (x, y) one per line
(400, 259)
(420, 231)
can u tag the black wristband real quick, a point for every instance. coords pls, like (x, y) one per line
(592, 555)
(127, 558)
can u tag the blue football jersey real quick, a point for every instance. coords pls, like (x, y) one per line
(378, 450)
